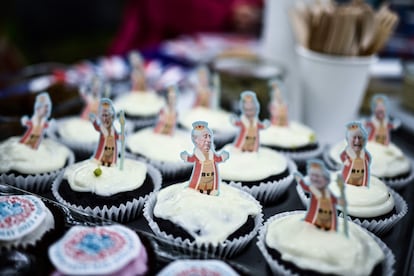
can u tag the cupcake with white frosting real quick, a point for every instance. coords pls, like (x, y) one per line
(31, 162)
(292, 138)
(262, 172)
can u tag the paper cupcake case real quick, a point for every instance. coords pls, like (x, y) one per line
(268, 192)
(378, 227)
(280, 269)
(226, 249)
(120, 213)
(37, 183)
(171, 170)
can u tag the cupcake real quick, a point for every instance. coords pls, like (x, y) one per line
(31, 162)
(24, 221)
(294, 139)
(370, 202)
(388, 161)
(291, 245)
(161, 145)
(204, 109)
(198, 267)
(103, 185)
(100, 250)
(203, 213)
(262, 172)
(140, 104)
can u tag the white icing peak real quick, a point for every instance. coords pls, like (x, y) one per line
(140, 103)
(291, 136)
(218, 120)
(158, 146)
(78, 130)
(328, 252)
(365, 202)
(50, 156)
(216, 217)
(81, 177)
(387, 161)
(251, 166)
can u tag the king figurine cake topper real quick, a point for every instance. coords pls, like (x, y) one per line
(356, 159)
(106, 152)
(167, 117)
(138, 77)
(278, 107)
(91, 95)
(204, 92)
(379, 124)
(205, 176)
(37, 124)
(248, 122)
(322, 208)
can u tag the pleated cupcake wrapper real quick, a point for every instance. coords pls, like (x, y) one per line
(302, 156)
(37, 183)
(142, 122)
(378, 227)
(393, 183)
(279, 269)
(270, 191)
(120, 213)
(222, 138)
(81, 149)
(226, 249)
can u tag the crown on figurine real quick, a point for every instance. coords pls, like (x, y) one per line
(106, 105)
(353, 126)
(199, 125)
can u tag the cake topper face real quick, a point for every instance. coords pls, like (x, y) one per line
(205, 176)
(278, 108)
(356, 160)
(322, 208)
(38, 122)
(167, 117)
(249, 124)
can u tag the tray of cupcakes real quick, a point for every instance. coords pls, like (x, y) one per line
(158, 198)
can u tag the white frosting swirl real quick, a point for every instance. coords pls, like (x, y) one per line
(251, 166)
(218, 120)
(78, 130)
(330, 252)
(209, 219)
(140, 103)
(81, 177)
(50, 156)
(387, 161)
(160, 147)
(292, 136)
(365, 202)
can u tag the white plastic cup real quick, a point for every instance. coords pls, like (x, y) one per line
(333, 90)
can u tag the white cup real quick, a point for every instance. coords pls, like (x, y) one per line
(333, 90)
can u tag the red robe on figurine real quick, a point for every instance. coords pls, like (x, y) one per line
(348, 157)
(34, 130)
(378, 134)
(103, 140)
(244, 124)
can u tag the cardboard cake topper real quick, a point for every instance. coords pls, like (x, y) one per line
(248, 122)
(278, 107)
(91, 95)
(322, 208)
(38, 122)
(205, 176)
(167, 118)
(138, 77)
(106, 152)
(379, 124)
(204, 92)
(355, 158)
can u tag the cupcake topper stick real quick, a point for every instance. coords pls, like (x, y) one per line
(122, 122)
(38, 122)
(379, 124)
(322, 207)
(341, 185)
(168, 115)
(205, 176)
(249, 124)
(355, 158)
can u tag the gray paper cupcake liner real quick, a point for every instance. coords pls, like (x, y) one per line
(279, 269)
(268, 192)
(225, 249)
(37, 183)
(121, 213)
(378, 227)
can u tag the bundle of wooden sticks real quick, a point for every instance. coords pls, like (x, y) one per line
(353, 29)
